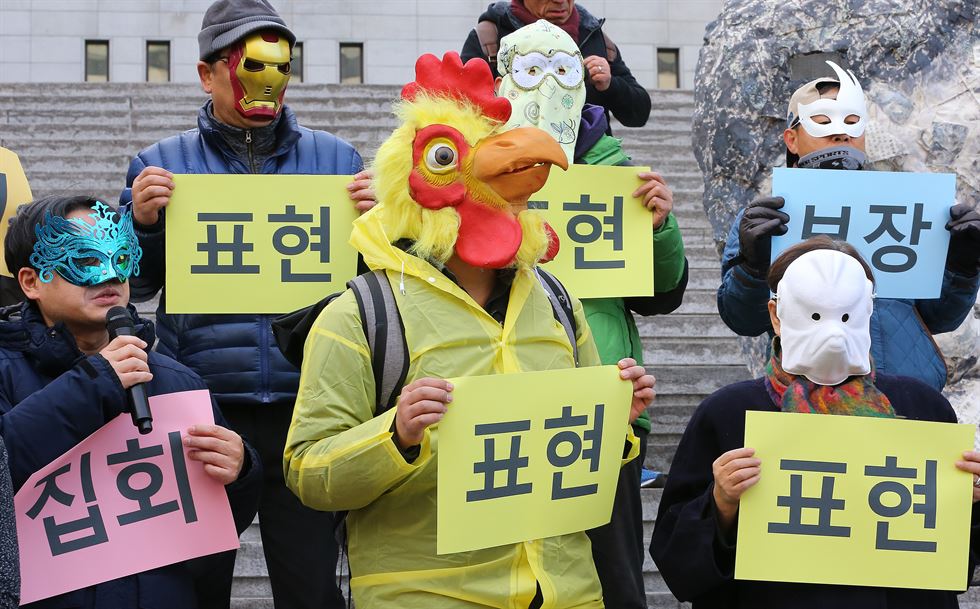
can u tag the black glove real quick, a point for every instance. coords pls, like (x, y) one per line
(760, 222)
(964, 240)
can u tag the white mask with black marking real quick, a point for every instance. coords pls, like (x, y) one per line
(824, 303)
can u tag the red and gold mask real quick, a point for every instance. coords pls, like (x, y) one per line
(259, 71)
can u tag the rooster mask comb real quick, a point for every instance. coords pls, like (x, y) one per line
(449, 182)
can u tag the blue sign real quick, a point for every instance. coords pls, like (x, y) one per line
(897, 221)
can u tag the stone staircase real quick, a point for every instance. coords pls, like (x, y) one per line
(80, 138)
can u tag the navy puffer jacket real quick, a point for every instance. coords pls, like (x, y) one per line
(235, 354)
(52, 396)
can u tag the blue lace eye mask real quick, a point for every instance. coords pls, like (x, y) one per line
(87, 254)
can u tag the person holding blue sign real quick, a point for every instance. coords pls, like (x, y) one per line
(826, 123)
(820, 364)
(535, 61)
(62, 379)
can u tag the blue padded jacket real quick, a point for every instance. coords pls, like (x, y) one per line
(901, 329)
(52, 396)
(235, 354)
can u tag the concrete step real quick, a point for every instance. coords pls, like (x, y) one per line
(678, 325)
(692, 350)
(698, 302)
(698, 378)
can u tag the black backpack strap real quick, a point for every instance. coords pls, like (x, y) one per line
(385, 336)
(561, 305)
(612, 51)
(486, 33)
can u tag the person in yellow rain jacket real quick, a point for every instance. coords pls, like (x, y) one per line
(471, 304)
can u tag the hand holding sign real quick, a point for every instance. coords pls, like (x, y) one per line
(220, 450)
(361, 189)
(735, 472)
(656, 195)
(761, 221)
(971, 464)
(152, 190)
(964, 240)
(422, 403)
(643, 384)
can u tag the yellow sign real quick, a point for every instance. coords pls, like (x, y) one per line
(856, 500)
(530, 455)
(14, 191)
(257, 243)
(606, 234)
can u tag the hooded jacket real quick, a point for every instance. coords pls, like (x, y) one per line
(235, 354)
(901, 329)
(52, 396)
(625, 97)
(339, 456)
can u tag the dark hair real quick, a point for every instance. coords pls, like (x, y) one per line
(19, 244)
(820, 242)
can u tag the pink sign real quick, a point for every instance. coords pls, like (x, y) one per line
(120, 503)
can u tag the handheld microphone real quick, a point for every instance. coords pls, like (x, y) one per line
(119, 322)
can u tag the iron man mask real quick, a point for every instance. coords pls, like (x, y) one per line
(259, 70)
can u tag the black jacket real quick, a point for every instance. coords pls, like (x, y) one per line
(698, 562)
(625, 97)
(52, 397)
(9, 558)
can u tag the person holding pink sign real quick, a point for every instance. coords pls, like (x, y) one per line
(62, 378)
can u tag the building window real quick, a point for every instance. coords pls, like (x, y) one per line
(158, 61)
(351, 63)
(668, 69)
(296, 63)
(96, 61)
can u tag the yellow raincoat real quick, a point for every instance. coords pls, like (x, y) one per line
(339, 456)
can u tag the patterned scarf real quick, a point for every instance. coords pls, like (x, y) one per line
(857, 396)
(527, 17)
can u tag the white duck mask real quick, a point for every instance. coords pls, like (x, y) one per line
(824, 303)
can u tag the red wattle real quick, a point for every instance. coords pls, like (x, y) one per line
(554, 244)
(488, 237)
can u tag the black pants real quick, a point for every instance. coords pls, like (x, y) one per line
(299, 544)
(618, 548)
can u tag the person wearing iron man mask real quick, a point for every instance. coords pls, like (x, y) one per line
(258, 69)
(245, 128)
(820, 364)
(825, 129)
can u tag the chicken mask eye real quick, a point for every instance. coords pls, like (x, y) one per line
(441, 158)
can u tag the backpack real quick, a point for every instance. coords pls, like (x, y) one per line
(385, 332)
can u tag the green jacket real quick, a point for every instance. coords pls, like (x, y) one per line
(611, 319)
